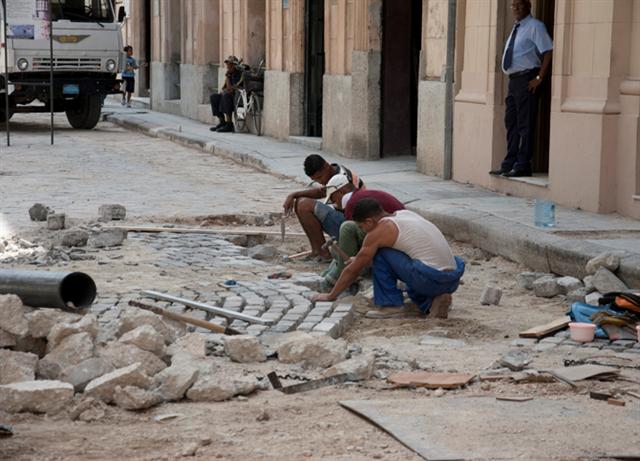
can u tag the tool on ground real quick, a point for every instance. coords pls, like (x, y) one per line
(63, 290)
(309, 385)
(6, 430)
(282, 227)
(185, 230)
(207, 308)
(335, 250)
(185, 318)
(302, 254)
(571, 363)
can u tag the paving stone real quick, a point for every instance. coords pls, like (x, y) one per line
(107, 238)
(244, 349)
(490, 296)
(328, 328)
(56, 221)
(112, 212)
(283, 327)
(35, 396)
(344, 307)
(312, 350)
(307, 326)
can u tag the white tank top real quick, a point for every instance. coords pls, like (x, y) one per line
(421, 239)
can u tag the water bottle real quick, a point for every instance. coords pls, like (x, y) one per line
(544, 213)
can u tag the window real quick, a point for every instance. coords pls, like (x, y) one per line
(82, 10)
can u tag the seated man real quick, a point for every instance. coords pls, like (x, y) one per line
(314, 215)
(402, 246)
(222, 102)
(345, 196)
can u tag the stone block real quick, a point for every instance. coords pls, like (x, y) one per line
(35, 396)
(84, 372)
(515, 360)
(605, 281)
(146, 338)
(306, 326)
(39, 212)
(72, 350)
(42, 321)
(135, 398)
(192, 343)
(112, 212)
(262, 252)
(56, 221)
(104, 387)
(13, 315)
(121, 355)
(360, 368)
(87, 324)
(173, 382)
(328, 327)
(244, 349)
(546, 287)
(588, 283)
(569, 284)
(525, 279)
(578, 295)
(609, 260)
(131, 318)
(218, 388)
(107, 238)
(17, 366)
(313, 351)
(7, 339)
(74, 238)
(490, 296)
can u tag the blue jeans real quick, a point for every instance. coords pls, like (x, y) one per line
(330, 218)
(423, 282)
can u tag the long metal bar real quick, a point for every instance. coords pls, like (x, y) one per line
(6, 72)
(449, 78)
(207, 308)
(51, 66)
(309, 385)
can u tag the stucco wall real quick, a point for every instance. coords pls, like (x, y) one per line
(283, 112)
(431, 111)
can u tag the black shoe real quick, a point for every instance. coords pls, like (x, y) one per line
(217, 127)
(226, 128)
(518, 174)
(499, 172)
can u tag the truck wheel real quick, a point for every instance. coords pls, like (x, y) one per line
(85, 115)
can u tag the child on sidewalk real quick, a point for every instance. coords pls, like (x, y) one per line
(129, 76)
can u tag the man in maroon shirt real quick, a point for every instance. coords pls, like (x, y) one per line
(344, 195)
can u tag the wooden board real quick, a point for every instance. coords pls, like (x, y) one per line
(204, 230)
(543, 330)
(430, 380)
(582, 372)
(514, 398)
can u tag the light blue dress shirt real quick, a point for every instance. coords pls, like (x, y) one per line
(532, 41)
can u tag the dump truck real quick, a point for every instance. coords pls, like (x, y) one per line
(87, 57)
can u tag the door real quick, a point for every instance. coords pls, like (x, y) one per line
(401, 41)
(313, 67)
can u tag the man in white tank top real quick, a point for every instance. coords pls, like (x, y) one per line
(402, 246)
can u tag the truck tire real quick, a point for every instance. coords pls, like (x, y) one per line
(85, 115)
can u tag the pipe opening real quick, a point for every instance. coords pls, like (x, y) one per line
(78, 288)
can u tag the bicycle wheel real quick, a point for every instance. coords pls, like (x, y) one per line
(255, 114)
(239, 113)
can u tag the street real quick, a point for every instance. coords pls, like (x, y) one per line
(161, 183)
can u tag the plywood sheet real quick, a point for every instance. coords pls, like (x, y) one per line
(541, 331)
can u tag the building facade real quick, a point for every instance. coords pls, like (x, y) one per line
(372, 79)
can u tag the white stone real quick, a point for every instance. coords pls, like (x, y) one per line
(219, 388)
(132, 318)
(588, 283)
(546, 287)
(313, 351)
(17, 366)
(361, 367)
(191, 343)
(173, 382)
(120, 355)
(87, 324)
(107, 238)
(593, 298)
(35, 396)
(490, 295)
(13, 315)
(609, 260)
(71, 351)
(84, 372)
(525, 279)
(244, 349)
(605, 281)
(42, 321)
(568, 284)
(135, 398)
(104, 387)
(146, 338)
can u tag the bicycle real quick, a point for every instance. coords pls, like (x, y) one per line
(247, 106)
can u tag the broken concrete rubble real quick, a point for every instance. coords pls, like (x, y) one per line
(262, 252)
(173, 382)
(35, 396)
(546, 287)
(39, 212)
(7, 339)
(131, 318)
(72, 350)
(605, 281)
(42, 321)
(569, 284)
(112, 212)
(104, 387)
(219, 388)
(146, 338)
(84, 372)
(87, 324)
(17, 366)
(13, 315)
(56, 221)
(107, 238)
(609, 260)
(313, 351)
(74, 238)
(515, 360)
(525, 279)
(135, 398)
(244, 349)
(360, 368)
(120, 355)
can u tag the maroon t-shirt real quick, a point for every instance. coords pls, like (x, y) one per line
(388, 202)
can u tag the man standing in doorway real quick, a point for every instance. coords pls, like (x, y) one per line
(527, 62)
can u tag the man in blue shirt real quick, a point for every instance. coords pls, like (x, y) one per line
(527, 62)
(222, 102)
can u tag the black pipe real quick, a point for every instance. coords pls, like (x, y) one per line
(63, 290)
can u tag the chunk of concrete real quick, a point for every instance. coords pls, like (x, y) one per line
(593, 298)
(13, 315)
(146, 338)
(35, 396)
(112, 212)
(515, 360)
(7, 339)
(313, 351)
(120, 355)
(525, 279)
(71, 351)
(84, 372)
(37, 346)
(107, 238)
(490, 295)
(56, 221)
(605, 281)
(609, 260)
(42, 321)
(263, 252)
(191, 343)
(135, 398)
(104, 387)
(546, 287)
(588, 283)
(74, 238)
(569, 284)
(244, 349)
(131, 318)
(577, 296)
(360, 368)
(173, 382)
(219, 388)
(17, 366)
(87, 324)
(39, 212)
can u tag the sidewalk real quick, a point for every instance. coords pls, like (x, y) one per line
(496, 223)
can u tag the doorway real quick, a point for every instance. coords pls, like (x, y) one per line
(146, 82)
(313, 66)
(401, 42)
(544, 10)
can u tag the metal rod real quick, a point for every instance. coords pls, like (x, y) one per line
(63, 290)
(6, 73)
(51, 67)
(207, 308)
(184, 230)
(449, 78)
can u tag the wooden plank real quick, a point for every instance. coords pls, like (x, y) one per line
(204, 230)
(541, 331)
(431, 380)
(514, 398)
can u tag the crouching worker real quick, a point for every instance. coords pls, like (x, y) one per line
(402, 246)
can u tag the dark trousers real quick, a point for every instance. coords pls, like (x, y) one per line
(520, 122)
(221, 105)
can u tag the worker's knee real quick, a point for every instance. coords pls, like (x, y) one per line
(348, 230)
(305, 206)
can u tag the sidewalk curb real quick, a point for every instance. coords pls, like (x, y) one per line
(541, 251)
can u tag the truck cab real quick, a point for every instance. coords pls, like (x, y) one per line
(87, 56)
